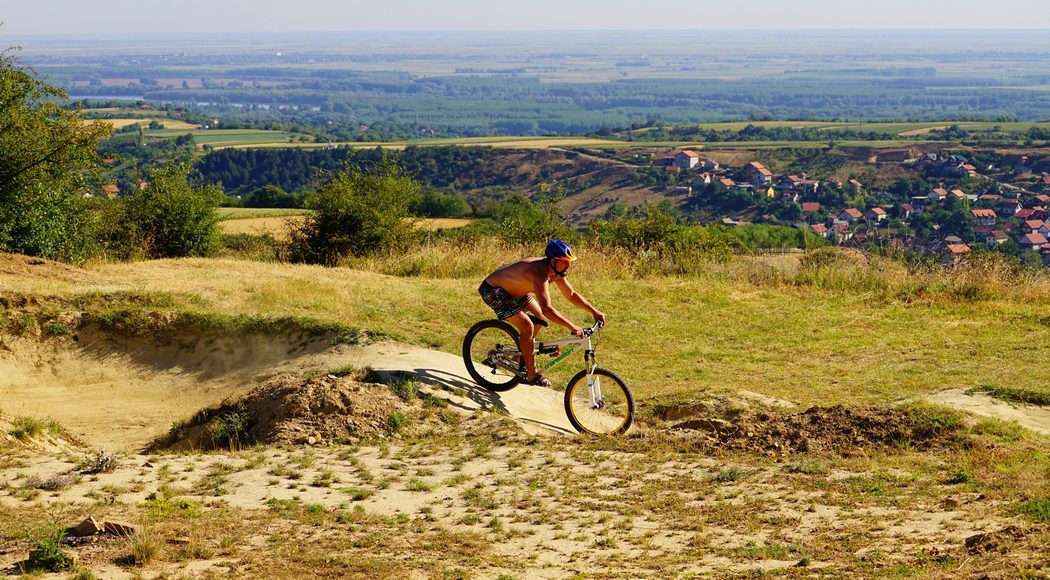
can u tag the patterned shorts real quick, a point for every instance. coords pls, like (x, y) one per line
(503, 303)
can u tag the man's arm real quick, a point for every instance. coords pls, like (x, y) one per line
(544, 297)
(577, 299)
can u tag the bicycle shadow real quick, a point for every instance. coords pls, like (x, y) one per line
(480, 397)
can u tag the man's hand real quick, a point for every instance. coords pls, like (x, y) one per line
(599, 317)
(576, 331)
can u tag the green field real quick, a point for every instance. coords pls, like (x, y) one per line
(242, 213)
(219, 138)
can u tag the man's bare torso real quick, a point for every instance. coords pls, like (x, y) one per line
(521, 277)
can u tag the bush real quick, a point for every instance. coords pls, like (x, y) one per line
(47, 554)
(171, 218)
(655, 231)
(396, 421)
(442, 205)
(47, 160)
(357, 213)
(271, 196)
(524, 222)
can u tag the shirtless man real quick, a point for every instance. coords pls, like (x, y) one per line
(520, 294)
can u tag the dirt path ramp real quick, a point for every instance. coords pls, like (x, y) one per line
(537, 409)
(1030, 417)
(120, 393)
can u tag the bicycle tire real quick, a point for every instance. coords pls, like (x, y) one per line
(617, 415)
(476, 369)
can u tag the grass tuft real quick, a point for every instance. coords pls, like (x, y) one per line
(1037, 509)
(1015, 394)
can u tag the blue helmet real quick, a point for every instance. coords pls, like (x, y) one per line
(559, 249)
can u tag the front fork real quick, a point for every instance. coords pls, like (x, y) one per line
(594, 385)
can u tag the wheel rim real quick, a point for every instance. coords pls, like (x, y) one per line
(486, 353)
(612, 412)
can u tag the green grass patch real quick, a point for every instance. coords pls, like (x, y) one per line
(27, 428)
(1015, 394)
(240, 213)
(1037, 509)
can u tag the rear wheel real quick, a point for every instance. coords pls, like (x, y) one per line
(491, 355)
(605, 407)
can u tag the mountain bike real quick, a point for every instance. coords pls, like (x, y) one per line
(597, 401)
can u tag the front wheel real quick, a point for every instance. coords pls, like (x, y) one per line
(491, 355)
(603, 407)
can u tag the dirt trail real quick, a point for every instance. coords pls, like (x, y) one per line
(1030, 417)
(121, 393)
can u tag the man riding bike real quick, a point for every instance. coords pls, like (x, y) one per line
(519, 293)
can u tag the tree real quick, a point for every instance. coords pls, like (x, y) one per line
(358, 212)
(47, 156)
(272, 196)
(171, 218)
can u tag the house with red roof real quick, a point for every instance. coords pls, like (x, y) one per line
(851, 215)
(984, 217)
(996, 238)
(726, 183)
(810, 206)
(758, 174)
(875, 214)
(686, 159)
(938, 194)
(1032, 242)
(1010, 207)
(906, 210)
(820, 229)
(841, 232)
(110, 190)
(952, 252)
(711, 165)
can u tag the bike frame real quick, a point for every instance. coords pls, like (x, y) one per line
(571, 344)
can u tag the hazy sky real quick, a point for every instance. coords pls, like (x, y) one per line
(32, 17)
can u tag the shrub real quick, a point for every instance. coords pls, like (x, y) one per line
(441, 205)
(396, 421)
(524, 222)
(358, 212)
(26, 428)
(230, 428)
(272, 196)
(170, 218)
(47, 554)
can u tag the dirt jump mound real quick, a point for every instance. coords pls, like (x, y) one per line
(290, 410)
(838, 429)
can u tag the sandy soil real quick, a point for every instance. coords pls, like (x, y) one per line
(138, 387)
(1030, 417)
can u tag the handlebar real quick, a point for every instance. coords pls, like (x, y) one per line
(593, 329)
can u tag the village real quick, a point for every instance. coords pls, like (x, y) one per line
(1004, 207)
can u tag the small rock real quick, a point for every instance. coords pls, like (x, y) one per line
(152, 496)
(311, 440)
(950, 502)
(180, 541)
(118, 528)
(147, 464)
(88, 527)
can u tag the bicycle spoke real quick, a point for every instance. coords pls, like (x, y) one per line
(603, 406)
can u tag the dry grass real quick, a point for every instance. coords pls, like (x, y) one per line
(859, 332)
